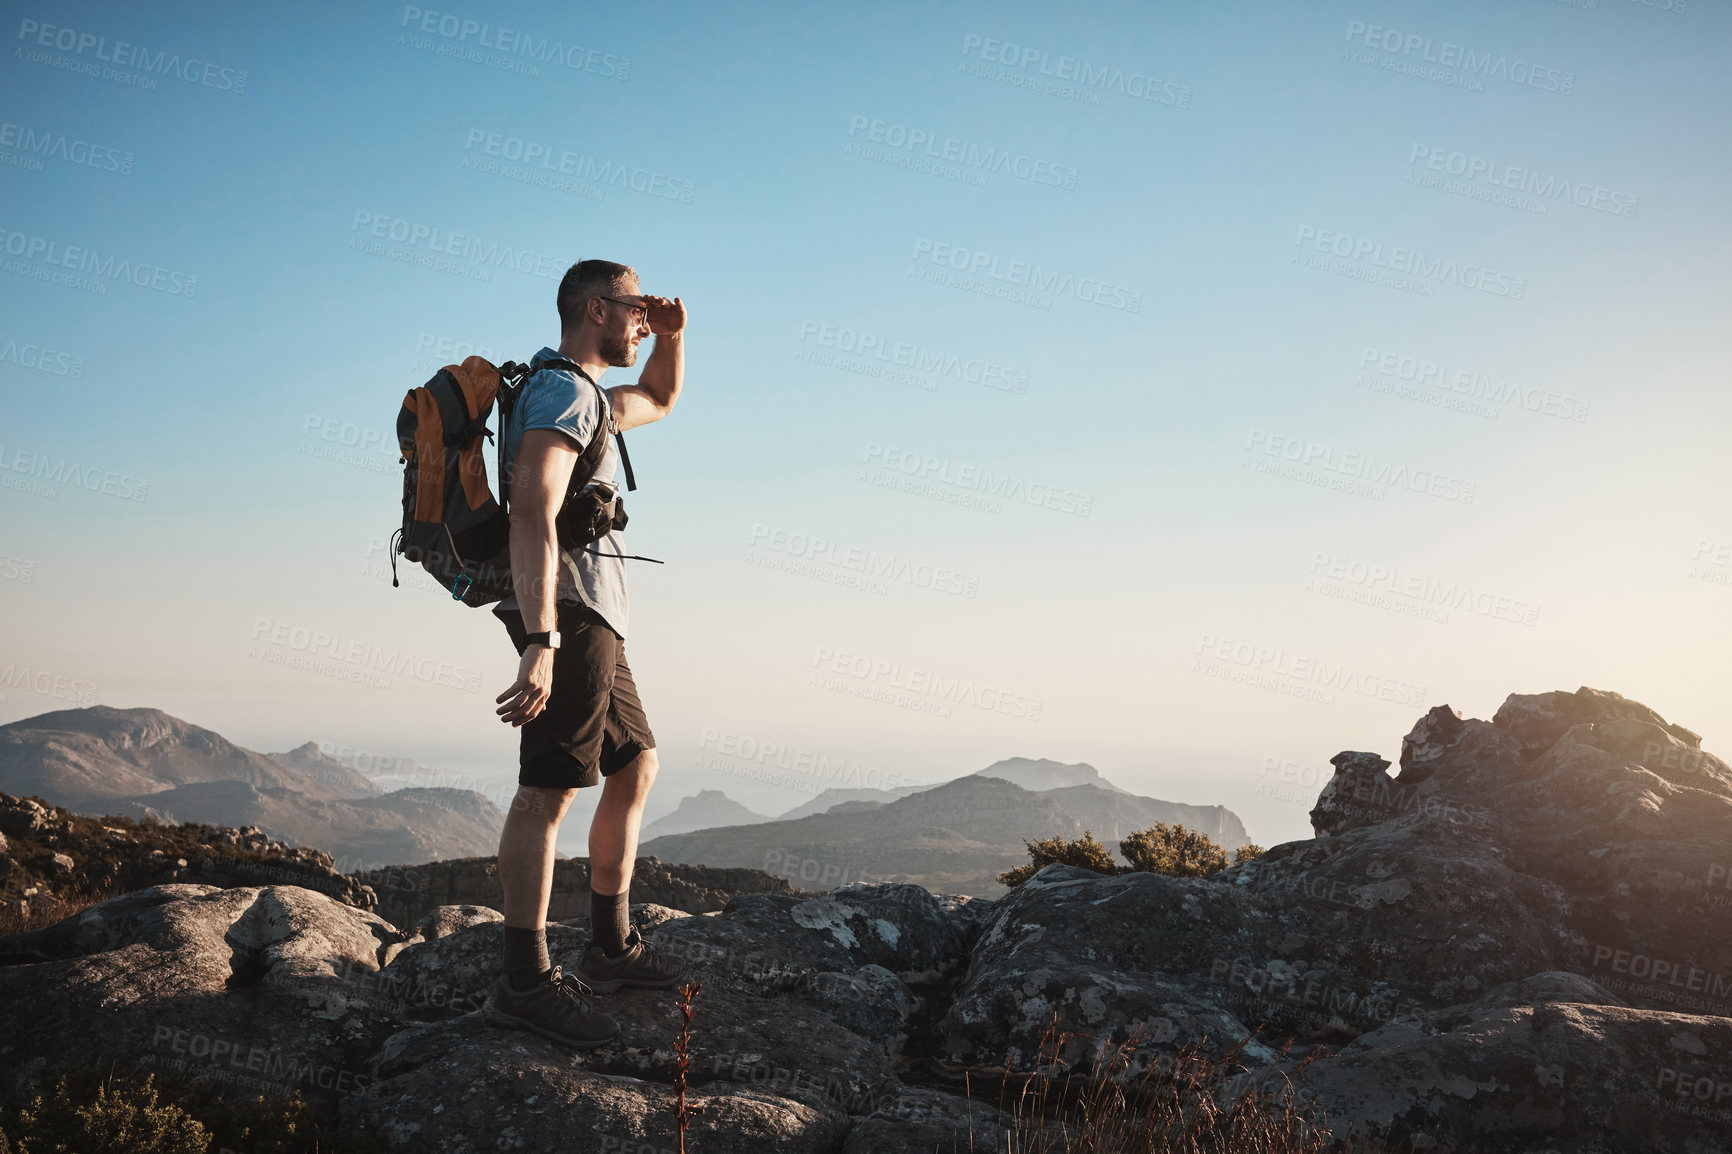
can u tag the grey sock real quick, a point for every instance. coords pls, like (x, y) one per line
(526, 960)
(610, 920)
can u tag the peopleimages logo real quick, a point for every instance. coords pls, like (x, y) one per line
(315, 648)
(1460, 59)
(869, 564)
(920, 358)
(462, 31)
(1472, 384)
(40, 468)
(986, 267)
(975, 478)
(551, 159)
(127, 55)
(1087, 76)
(40, 257)
(443, 242)
(1363, 468)
(48, 684)
(1472, 169)
(1413, 263)
(982, 158)
(1384, 581)
(40, 358)
(1301, 669)
(881, 680)
(34, 146)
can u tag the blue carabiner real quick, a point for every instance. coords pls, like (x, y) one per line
(466, 581)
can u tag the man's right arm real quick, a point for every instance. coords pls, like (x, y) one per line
(539, 476)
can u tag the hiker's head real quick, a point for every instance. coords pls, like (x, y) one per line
(596, 299)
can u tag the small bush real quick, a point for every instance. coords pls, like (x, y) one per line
(120, 1117)
(91, 1111)
(1174, 851)
(1171, 850)
(1085, 852)
(46, 909)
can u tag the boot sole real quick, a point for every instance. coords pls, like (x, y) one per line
(500, 1018)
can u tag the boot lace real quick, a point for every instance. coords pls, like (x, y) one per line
(572, 988)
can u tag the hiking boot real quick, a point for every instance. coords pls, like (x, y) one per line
(561, 1008)
(642, 967)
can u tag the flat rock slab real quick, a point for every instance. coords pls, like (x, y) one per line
(465, 1086)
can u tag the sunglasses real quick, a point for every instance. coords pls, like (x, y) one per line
(639, 313)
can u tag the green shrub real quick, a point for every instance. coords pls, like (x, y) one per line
(1171, 850)
(1085, 852)
(121, 1117)
(1174, 851)
(95, 1111)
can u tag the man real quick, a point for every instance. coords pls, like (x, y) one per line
(574, 698)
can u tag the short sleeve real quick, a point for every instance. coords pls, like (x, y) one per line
(559, 401)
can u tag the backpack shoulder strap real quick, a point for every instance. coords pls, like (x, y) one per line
(601, 430)
(512, 377)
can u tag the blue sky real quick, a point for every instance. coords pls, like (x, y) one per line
(1195, 391)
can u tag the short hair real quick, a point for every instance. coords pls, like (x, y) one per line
(585, 279)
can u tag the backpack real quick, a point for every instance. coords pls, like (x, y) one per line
(452, 525)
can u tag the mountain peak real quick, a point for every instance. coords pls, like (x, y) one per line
(1043, 773)
(124, 728)
(705, 809)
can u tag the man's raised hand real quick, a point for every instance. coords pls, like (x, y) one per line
(665, 315)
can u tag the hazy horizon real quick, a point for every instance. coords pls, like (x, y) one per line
(1194, 393)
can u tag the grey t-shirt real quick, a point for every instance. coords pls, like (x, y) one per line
(561, 399)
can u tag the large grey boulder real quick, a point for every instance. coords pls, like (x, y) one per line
(258, 987)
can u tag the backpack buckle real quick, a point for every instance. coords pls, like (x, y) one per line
(464, 580)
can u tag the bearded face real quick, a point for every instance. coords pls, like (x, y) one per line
(619, 349)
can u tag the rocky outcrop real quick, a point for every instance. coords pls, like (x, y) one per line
(50, 856)
(1517, 943)
(1520, 942)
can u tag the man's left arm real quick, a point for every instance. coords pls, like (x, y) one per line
(658, 386)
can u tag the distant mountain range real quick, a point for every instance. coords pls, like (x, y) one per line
(832, 799)
(144, 763)
(954, 838)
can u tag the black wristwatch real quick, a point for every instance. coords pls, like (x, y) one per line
(549, 639)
